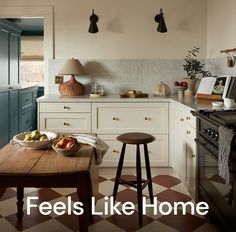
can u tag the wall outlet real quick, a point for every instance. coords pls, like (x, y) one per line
(59, 79)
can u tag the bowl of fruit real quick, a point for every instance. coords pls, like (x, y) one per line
(66, 146)
(34, 139)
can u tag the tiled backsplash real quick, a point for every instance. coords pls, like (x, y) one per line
(122, 75)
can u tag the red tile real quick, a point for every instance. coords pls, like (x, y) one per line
(45, 194)
(128, 178)
(127, 195)
(129, 222)
(166, 180)
(28, 221)
(9, 193)
(72, 221)
(172, 196)
(101, 179)
(182, 223)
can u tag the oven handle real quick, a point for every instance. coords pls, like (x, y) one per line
(203, 145)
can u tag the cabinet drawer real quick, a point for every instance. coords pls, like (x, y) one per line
(66, 123)
(27, 100)
(158, 152)
(189, 118)
(26, 121)
(65, 107)
(190, 132)
(119, 118)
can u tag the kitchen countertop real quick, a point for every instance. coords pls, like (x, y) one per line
(189, 101)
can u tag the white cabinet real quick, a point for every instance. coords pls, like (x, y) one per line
(184, 148)
(65, 117)
(116, 118)
(112, 119)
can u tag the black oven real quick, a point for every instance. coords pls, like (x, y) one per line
(211, 187)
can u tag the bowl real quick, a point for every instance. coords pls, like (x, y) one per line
(66, 152)
(34, 144)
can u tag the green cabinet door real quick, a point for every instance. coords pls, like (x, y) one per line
(4, 57)
(14, 113)
(14, 58)
(4, 118)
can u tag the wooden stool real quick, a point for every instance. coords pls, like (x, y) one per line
(139, 184)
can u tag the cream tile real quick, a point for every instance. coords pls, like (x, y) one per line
(106, 188)
(156, 226)
(65, 191)
(181, 188)
(48, 226)
(8, 207)
(5, 226)
(156, 189)
(104, 225)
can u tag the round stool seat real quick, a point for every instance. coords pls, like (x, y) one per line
(135, 138)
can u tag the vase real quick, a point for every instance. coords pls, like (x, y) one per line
(190, 91)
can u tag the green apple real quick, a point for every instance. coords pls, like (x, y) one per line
(28, 137)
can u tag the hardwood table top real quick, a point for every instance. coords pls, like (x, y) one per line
(15, 160)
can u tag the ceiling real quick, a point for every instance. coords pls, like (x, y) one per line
(29, 26)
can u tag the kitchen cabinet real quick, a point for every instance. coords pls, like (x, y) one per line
(108, 120)
(65, 117)
(184, 148)
(9, 107)
(112, 119)
(28, 109)
(9, 53)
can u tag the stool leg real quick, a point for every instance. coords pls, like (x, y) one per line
(139, 186)
(148, 170)
(119, 169)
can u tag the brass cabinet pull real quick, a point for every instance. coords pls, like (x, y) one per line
(193, 155)
(66, 124)
(66, 107)
(147, 119)
(115, 119)
(188, 132)
(181, 119)
(188, 118)
(115, 151)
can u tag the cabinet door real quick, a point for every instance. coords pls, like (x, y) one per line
(4, 57)
(4, 120)
(14, 58)
(179, 163)
(14, 113)
(191, 181)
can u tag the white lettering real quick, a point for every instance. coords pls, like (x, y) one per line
(184, 207)
(78, 208)
(47, 206)
(202, 206)
(29, 205)
(59, 208)
(154, 205)
(93, 207)
(162, 205)
(128, 208)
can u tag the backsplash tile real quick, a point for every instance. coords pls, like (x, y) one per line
(123, 74)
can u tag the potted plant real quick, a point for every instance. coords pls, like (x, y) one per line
(193, 67)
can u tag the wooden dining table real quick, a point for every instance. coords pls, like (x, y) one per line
(21, 167)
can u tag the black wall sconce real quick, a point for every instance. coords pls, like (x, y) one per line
(93, 28)
(161, 22)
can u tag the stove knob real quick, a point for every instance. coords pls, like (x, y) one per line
(208, 131)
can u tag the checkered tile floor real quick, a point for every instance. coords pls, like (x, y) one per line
(166, 186)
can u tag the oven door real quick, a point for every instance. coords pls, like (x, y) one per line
(208, 171)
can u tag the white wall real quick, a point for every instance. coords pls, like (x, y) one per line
(127, 28)
(221, 27)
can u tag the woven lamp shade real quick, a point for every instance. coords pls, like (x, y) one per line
(72, 87)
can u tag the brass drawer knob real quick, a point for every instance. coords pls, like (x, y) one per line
(66, 107)
(188, 132)
(66, 124)
(115, 119)
(115, 151)
(188, 118)
(181, 119)
(147, 119)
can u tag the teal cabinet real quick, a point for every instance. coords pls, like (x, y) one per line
(28, 109)
(4, 118)
(4, 56)
(13, 112)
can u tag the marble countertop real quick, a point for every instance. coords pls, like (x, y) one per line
(188, 101)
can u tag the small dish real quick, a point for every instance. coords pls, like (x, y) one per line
(95, 95)
(66, 152)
